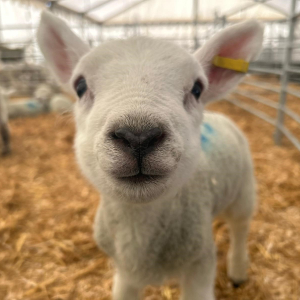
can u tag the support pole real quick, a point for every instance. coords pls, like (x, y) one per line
(285, 74)
(0, 24)
(195, 23)
(223, 21)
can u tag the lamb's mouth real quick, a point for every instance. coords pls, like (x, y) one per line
(141, 178)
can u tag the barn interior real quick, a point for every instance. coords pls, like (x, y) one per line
(47, 209)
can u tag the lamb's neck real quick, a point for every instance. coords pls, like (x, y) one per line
(150, 210)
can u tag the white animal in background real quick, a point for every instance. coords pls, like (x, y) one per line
(4, 128)
(43, 93)
(140, 115)
(61, 103)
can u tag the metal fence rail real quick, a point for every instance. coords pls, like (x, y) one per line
(270, 87)
(266, 118)
(270, 103)
(285, 72)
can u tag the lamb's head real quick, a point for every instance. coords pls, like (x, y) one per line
(140, 104)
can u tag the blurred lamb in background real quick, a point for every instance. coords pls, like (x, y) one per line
(43, 94)
(4, 128)
(61, 103)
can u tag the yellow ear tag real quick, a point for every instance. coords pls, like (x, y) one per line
(238, 65)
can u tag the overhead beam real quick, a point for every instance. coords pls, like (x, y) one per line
(239, 8)
(56, 5)
(127, 8)
(276, 8)
(97, 5)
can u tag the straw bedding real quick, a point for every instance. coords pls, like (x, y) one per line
(47, 210)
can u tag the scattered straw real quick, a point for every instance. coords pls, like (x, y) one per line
(47, 210)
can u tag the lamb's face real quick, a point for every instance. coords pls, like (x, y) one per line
(140, 103)
(138, 118)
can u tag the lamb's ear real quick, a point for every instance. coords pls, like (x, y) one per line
(241, 41)
(60, 46)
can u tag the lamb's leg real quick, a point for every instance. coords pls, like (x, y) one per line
(199, 280)
(123, 290)
(238, 217)
(5, 135)
(237, 259)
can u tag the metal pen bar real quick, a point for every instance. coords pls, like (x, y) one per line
(262, 86)
(266, 118)
(252, 110)
(293, 70)
(265, 70)
(285, 75)
(269, 103)
(290, 136)
(271, 88)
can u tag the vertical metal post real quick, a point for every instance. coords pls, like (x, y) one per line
(285, 74)
(82, 27)
(195, 10)
(223, 21)
(51, 5)
(100, 34)
(0, 23)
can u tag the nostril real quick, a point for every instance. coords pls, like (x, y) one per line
(151, 137)
(114, 136)
(120, 133)
(126, 135)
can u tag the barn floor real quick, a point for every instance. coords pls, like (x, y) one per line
(47, 210)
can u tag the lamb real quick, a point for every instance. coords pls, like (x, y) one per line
(165, 167)
(61, 103)
(4, 129)
(43, 94)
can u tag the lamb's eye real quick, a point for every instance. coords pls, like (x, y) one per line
(197, 89)
(80, 86)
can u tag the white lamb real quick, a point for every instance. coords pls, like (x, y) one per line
(43, 94)
(61, 103)
(139, 116)
(4, 128)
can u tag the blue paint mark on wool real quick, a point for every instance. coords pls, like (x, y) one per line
(208, 128)
(206, 131)
(204, 139)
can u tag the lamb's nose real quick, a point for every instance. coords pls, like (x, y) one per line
(141, 143)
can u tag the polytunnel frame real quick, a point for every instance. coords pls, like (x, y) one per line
(285, 72)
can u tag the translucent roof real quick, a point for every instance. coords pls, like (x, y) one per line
(20, 18)
(176, 10)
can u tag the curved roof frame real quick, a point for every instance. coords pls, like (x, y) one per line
(101, 4)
